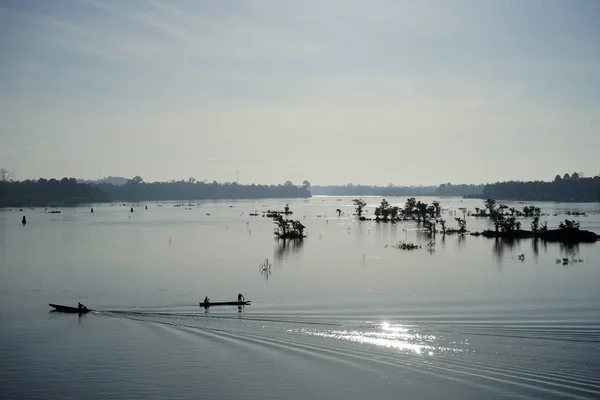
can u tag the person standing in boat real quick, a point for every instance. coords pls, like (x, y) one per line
(81, 307)
(206, 300)
(241, 297)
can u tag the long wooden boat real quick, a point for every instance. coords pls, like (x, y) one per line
(68, 309)
(225, 303)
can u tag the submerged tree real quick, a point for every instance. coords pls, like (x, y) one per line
(490, 205)
(531, 211)
(510, 224)
(410, 205)
(462, 224)
(359, 204)
(384, 210)
(535, 224)
(497, 219)
(394, 212)
(437, 208)
(288, 228)
(429, 227)
(442, 223)
(569, 224)
(422, 210)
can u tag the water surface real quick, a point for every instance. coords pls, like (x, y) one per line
(342, 315)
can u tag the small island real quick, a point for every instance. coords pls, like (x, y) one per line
(504, 219)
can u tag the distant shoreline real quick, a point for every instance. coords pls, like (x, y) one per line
(534, 199)
(68, 191)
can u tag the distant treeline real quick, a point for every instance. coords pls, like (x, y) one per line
(566, 188)
(446, 189)
(68, 191)
(365, 190)
(137, 190)
(47, 192)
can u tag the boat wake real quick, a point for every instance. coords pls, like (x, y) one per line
(546, 361)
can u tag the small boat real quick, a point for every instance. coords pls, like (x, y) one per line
(224, 303)
(68, 309)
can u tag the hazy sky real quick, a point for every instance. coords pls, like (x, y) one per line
(409, 92)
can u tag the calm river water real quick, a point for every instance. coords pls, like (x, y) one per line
(342, 315)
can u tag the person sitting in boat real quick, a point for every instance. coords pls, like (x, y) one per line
(241, 297)
(206, 300)
(81, 307)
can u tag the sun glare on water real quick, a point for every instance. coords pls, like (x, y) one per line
(393, 336)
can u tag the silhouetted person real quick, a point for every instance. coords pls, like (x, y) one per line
(92, 209)
(241, 297)
(24, 220)
(81, 307)
(146, 207)
(206, 300)
(131, 209)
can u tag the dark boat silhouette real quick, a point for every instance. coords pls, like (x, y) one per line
(68, 309)
(224, 303)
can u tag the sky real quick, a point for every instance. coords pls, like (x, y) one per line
(333, 92)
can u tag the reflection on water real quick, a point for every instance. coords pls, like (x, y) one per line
(443, 241)
(265, 269)
(392, 336)
(424, 237)
(529, 332)
(460, 242)
(569, 249)
(502, 245)
(285, 248)
(535, 247)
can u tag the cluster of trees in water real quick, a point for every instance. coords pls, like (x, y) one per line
(427, 214)
(288, 228)
(504, 219)
(572, 187)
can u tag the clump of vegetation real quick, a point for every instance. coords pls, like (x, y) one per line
(386, 211)
(531, 211)
(265, 268)
(569, 224)
(507, 226)
(442, 223)
(407, 246)
(430, 227)
(504, 218)
(288, 228)
(462, 224)
(359, 204)
(265, 265)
